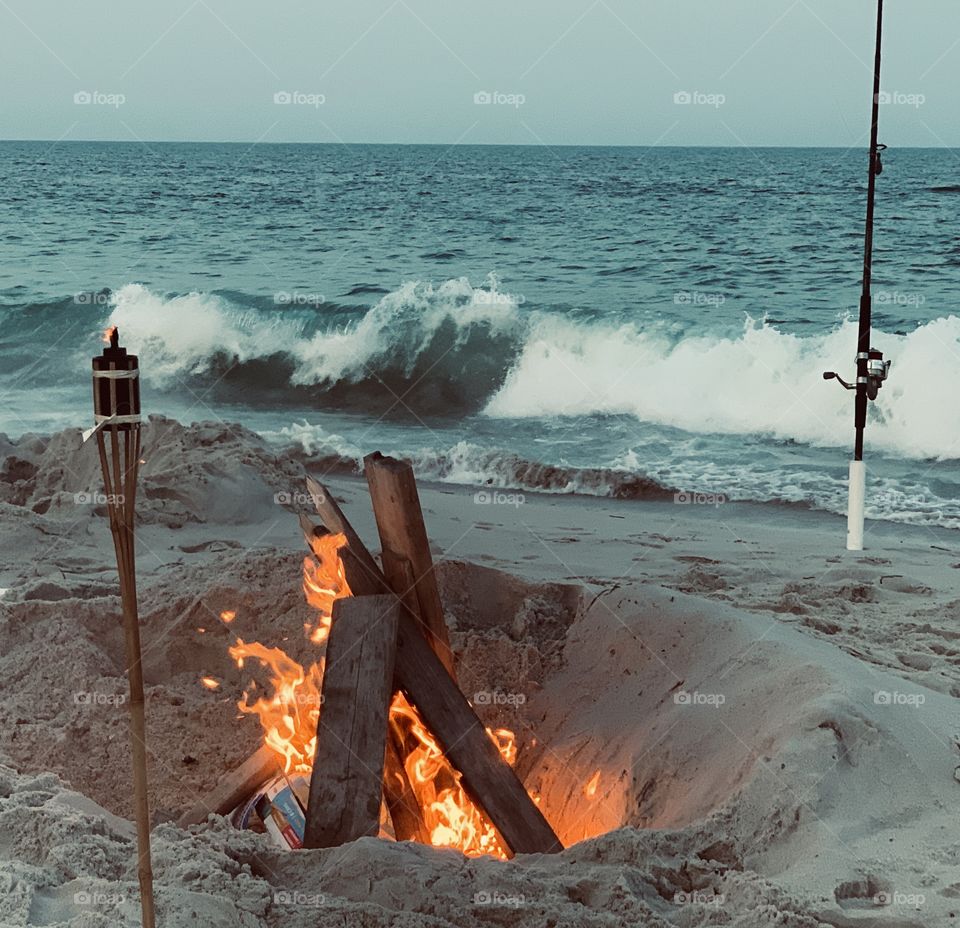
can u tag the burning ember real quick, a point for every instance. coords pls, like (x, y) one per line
(290, 713)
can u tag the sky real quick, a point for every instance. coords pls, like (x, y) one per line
(532, 72)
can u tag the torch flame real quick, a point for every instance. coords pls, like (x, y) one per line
(108, 334)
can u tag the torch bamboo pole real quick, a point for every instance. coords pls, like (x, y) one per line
(120, 501)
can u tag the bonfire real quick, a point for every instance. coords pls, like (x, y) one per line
(423, 794)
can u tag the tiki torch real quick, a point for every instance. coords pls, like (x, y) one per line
(116, 406)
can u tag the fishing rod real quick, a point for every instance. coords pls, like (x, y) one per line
(872, 370)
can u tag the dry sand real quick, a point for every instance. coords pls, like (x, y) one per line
(773, 720)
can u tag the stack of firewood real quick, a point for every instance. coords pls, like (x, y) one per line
(389, 636)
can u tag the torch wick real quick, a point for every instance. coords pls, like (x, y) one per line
(115, 338)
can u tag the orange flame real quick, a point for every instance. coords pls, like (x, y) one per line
(324, 582)
(228, 615)
(289, 716)
(108, 334)
(211, 683)
(450, 816)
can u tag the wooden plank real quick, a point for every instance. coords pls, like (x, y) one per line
(486, 776)
(237, 785)
(405, 812)
(234, 787)
(406, 548)
(335, 521)
(346, 786)
(311, 531)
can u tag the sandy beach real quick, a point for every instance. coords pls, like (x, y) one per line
(479, 465)
(727, 719)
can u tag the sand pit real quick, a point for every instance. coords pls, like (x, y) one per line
(705, 762)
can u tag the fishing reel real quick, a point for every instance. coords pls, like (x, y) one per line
(877, 161)
(878, 371)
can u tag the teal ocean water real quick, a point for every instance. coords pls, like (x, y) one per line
(614, 321)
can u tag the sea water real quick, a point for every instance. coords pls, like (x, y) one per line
(629, 322)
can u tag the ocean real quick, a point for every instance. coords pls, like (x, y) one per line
(623, 322)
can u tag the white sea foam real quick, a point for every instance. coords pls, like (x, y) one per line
(763, 382)
(406, 319)
(184, 334)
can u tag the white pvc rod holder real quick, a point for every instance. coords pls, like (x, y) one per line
(858, 492)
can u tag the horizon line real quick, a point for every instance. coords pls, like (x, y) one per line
(251, 143)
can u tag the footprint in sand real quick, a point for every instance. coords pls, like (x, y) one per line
(869, 892)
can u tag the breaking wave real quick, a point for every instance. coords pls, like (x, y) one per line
(421, 349)
(452, 349)
(761, 381)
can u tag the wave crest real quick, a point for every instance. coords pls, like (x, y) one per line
(450, 349)
(471, 465)
(761, 382)
(436, 349)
